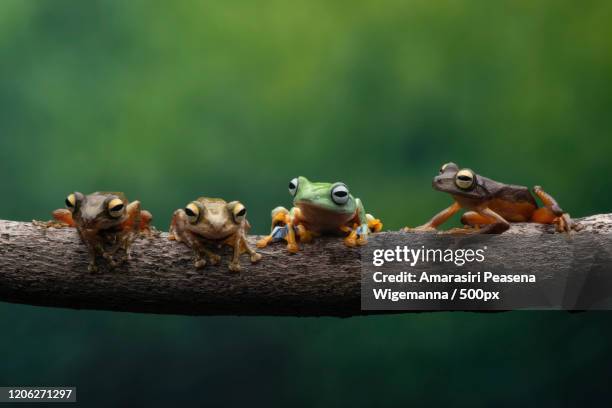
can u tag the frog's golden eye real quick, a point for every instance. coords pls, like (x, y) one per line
(239, 212)
(340, 194)
(293, 186)
(71, 202)
(115, 207)
(193, 212)
(465, 179)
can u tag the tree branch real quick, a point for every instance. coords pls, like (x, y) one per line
(48, 267)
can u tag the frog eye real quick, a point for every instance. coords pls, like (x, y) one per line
(447, 166)
(71, 202)
(239, 212)
(293, 186)
(340, 194)
(193, 212)
(115, 207)
(464, 179)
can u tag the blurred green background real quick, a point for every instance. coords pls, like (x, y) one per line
(171, 100)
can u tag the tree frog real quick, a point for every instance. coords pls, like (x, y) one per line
(106, 222)
(212, 221)
(320, 208)
(493, 205)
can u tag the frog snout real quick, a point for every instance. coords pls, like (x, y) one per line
(217, 225)
(437, 181)
(87, 222)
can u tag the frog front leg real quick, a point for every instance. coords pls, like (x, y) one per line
(136, 221)
(368, 224)
(303, 233)
(253, 255)
(200, 251)
(236, 243)
(94, 247)
(437, 220)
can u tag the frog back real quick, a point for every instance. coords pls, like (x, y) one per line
(514, 203)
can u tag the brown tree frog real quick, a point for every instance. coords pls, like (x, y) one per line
(213, 222)
(320, 208)
(106, 222)
(492, 205)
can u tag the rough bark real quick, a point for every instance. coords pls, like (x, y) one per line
(48, 267)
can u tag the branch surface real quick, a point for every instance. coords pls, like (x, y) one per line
(48, 267)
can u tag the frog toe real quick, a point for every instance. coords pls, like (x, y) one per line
(92, 267)
(255, 258)
(293, 248)
(234, 266)
(199, 263)
(350, 241)
(374, 224)
(262, 243)
(564, 223)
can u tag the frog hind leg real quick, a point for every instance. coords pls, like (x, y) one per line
(551, 213)
(145, 222)
(133, 219)
(280, 217)
(476, 220)
(351, 239)
(483, 221)
(498, 226)
(173, 231)
(62, 218)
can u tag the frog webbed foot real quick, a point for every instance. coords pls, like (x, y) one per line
(564, 223)
(293, 247)
(234, 266)
(374, 224)
(199, 263)
(303, 234)
(110, 259)
(214, 259)
(280, 218)
(354, 237)
(92, 267)
(281, 233)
